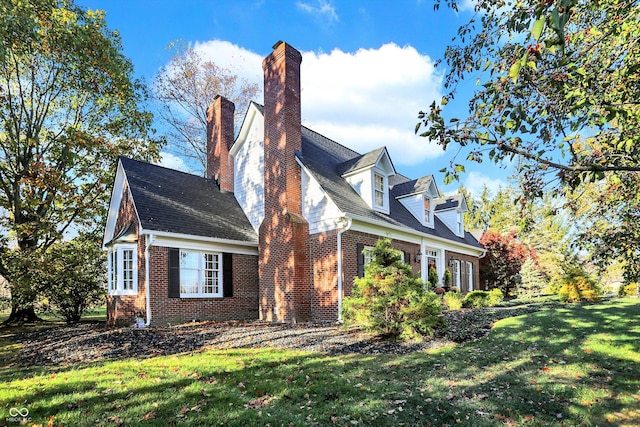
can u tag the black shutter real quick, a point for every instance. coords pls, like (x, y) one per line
(227, 275)
(407, 258)
(359, 249)
(174, 273)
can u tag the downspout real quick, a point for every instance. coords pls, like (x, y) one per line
(345, 228)
(149, 241)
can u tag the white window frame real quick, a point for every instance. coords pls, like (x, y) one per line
(469, 274)
(379, 191)
(460, 222)
(367, 253)
(428, 214)
(122, 274)
(201, 271)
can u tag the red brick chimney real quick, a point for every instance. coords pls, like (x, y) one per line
(219, 141)
(285, 274)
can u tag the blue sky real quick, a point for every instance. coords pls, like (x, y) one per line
(367, 69)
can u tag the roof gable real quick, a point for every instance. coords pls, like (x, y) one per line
(170, 201)
(425, 184)
(376, 158)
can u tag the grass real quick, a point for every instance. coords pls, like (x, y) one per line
(573, 365)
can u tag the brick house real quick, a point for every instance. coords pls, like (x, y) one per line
(279, 227)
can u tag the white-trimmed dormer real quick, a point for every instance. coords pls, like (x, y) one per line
(451, 211)
(368, 175)
(418, 197)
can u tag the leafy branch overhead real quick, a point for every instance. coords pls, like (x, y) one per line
(557, 87)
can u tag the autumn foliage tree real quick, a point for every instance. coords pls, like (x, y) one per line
(501, 265)
(69, 106)
(185, 88)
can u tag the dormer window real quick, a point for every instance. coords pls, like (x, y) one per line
(378, 189)
(428, 211)
(460, 223)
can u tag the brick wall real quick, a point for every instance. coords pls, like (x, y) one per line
(219, 140)
(242, 305)
(323, 249)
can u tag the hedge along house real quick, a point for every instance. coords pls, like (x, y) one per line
(282, 223)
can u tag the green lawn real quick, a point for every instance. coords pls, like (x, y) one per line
(574, 365)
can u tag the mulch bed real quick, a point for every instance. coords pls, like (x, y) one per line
(92, 342)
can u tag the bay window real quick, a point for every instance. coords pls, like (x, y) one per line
(122, 266)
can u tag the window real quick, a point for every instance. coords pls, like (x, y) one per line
(432, 259)
(469, 276)
(378, 190)
(367, 252)
(460, 224)
(456, 274)
(427, 209)
(200, 274)
(122, 265)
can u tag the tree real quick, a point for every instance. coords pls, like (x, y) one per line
(72, 276)
(390, 299)
(611, 214)
(558, 88)
(69, 107)
(500, 267)
(532, 282)
(186, 87)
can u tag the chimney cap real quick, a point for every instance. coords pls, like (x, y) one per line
(278, 43)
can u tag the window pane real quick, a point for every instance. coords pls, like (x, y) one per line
(210, 285)
(127, 269)
(188, 281)
(189, 260)
(379, 182)
(379, 198)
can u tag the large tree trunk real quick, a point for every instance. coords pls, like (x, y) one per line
(21, 315)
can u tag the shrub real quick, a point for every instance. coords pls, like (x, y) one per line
(422, 315)
(432, 278)
(453, 300)
(628, 290)
(390, 299)
(495, 297)
(476, 299)
(446, 278)
(578, 286)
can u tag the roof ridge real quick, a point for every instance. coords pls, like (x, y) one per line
(163, 167)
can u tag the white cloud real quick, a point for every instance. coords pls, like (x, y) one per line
(320, 8)
(172, 161)
(246, 64)
(364, 99)
(476, 181)
(371, 98)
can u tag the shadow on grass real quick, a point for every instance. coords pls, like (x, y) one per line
(574, 365)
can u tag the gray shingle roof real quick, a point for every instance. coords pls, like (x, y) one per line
(413, 186)
(449, 202)
(176, 202)
(324, 159)
(361, 162)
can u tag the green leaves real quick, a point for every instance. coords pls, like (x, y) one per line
(538, 26)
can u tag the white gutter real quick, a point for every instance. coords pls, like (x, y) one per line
(416, 233)
(342, 230)
(147, 285)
